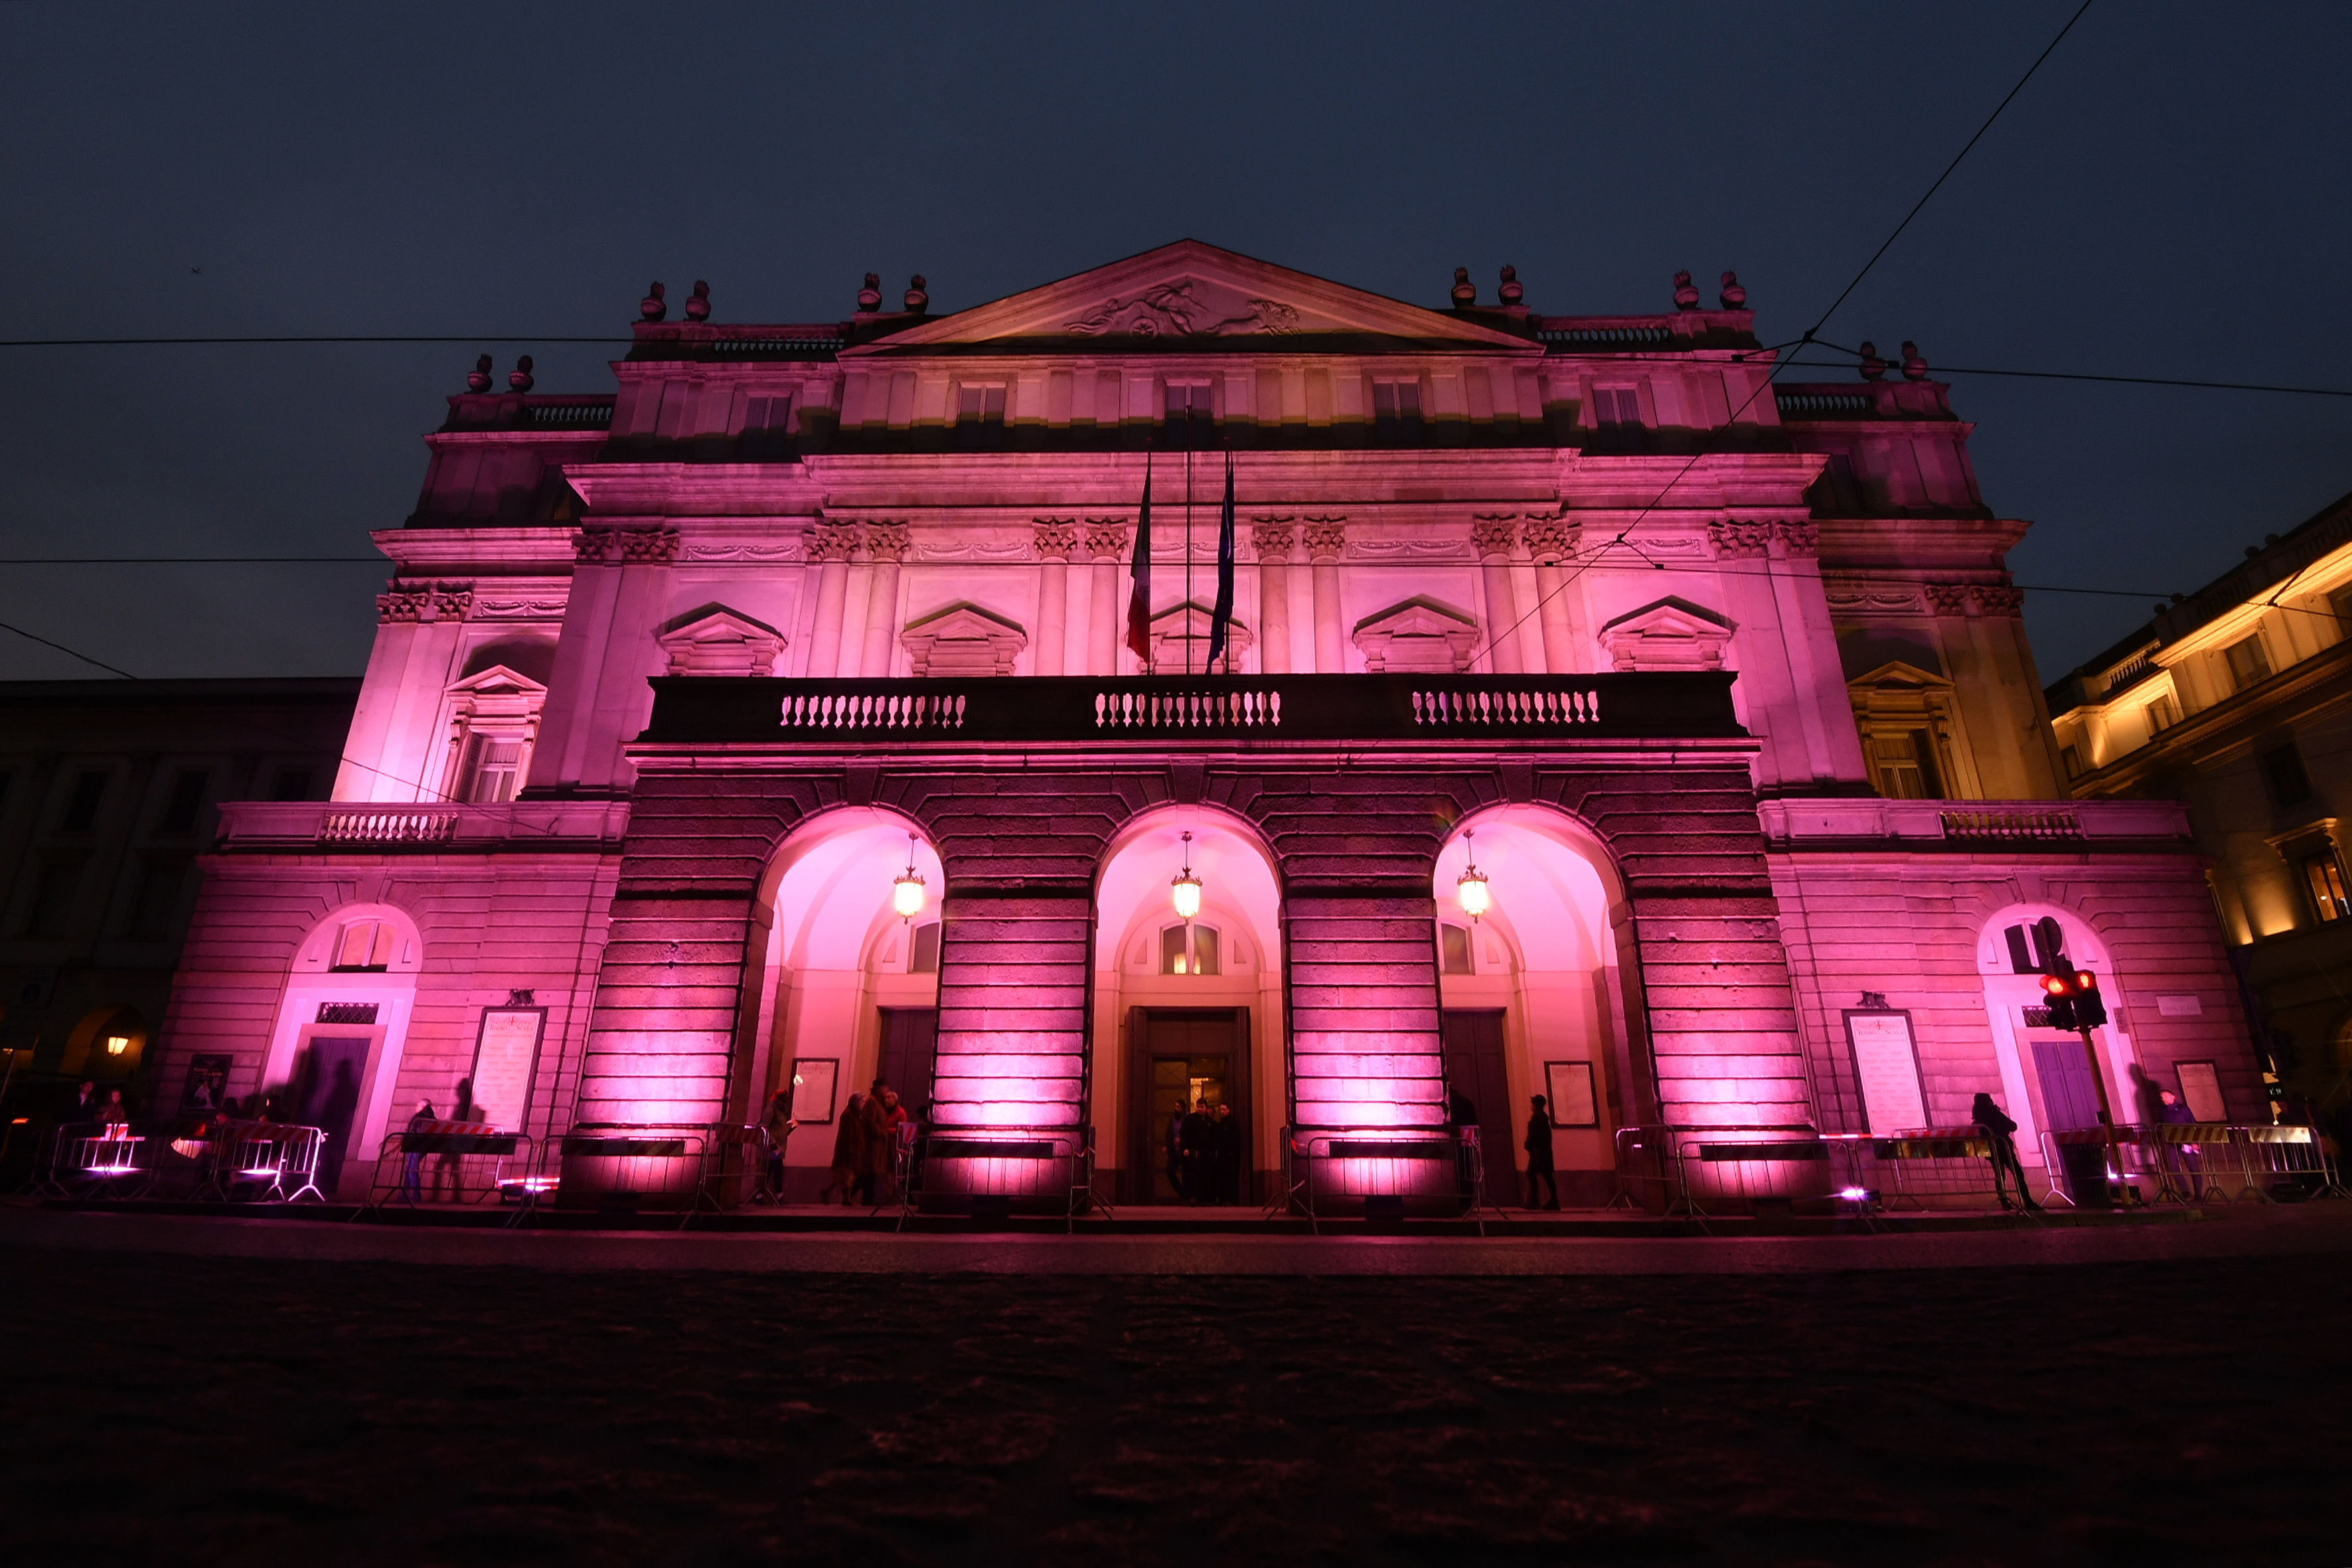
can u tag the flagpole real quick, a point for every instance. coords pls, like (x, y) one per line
(1188, 531)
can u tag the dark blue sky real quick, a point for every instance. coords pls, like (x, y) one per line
(2166, 198)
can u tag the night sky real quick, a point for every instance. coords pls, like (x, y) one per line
(2166, 198)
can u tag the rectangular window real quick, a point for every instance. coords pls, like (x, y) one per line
(2072, 756)
(925, 958)
(82, 807)
(1907, 764)
(979, 417)
(1188, 400)
(365, 945)
(187, 800)
(764, 436)
(2163, 713)
(51, 906)
(2282, 773)
(2340, 603)
(1396, 413)
(1616, 406)
(1173, 959)
(2325, 879)
(1188, 950)
(1454, 950)
(156, 903)
(492, 766)
(2249, 664)
(291, 783)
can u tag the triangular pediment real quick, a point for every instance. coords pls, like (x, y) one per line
(1189, 292)
(1898, 675)
(499, 682)
(1667, 634)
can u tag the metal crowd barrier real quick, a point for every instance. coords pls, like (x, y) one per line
(95, 1156)
(1304, 1147)
(734, 1162)
(638, 1164)
(449, 1164)
(259, 1162)
(2199, 1162)
(917, 1150)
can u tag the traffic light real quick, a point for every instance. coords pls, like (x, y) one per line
(2090, 1007)
(2060, 990)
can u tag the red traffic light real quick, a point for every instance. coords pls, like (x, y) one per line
(2085, 981)
(2055, 985)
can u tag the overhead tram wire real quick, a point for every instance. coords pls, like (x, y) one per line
(1810, 333)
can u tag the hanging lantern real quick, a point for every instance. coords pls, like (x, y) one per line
(1470, 888)
(1186, 887)
(906, 893)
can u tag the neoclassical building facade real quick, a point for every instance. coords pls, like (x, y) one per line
(1716, 690)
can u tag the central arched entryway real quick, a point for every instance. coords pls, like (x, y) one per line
(1188, 1013)
(1533, 994)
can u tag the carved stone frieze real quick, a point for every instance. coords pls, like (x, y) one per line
(1950, 598)
(1173, 310)
(747, 554)
(2000, 599)
(525, 609)
(1327, 537)
(408, 600)
(1800, 538)
(648, 546)
(1054, 538)
(451, 601)
(402, 604)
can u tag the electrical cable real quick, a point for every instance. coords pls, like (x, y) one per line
(1810, 333)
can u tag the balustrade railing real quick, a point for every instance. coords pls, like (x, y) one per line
(388, 824)
(1417, 708)
(2049, 822)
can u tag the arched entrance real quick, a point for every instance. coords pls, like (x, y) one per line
(1188, 1013)
(1533, 994)
(848, 987)
(336, 1054)
(2045, 1080)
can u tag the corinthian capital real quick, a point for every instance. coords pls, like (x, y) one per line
(1054, 538)
(887, 541)
(1273, 537)
(1494, 534)
(1327, 538)
(1107, 538)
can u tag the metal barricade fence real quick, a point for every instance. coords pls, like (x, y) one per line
(1922, 1163)
(1740, 1165)
(449, 1164)
(2286, 1154)
(734, 1160)
(632, 1167)
(1646, 1169)
(97, 1155)
(995, 1167)
(269, 1162)
(1395, 1157)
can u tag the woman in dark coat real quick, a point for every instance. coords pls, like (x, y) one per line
(848, 1139)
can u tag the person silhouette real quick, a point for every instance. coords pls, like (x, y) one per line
(2001, 1136)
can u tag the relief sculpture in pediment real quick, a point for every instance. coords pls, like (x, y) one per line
(1172, 309)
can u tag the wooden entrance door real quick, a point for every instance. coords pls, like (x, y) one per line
(911, 1043)
(1475, 1066)
(327, 1097)
(1176, 1055)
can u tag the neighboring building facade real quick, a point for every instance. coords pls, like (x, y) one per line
(2236, 701)
(1722, 689)
(108, 792)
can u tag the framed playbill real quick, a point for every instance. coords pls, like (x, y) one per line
(814, 1082)
(506, 1058)
(1569, 1085)
(1886, 1071)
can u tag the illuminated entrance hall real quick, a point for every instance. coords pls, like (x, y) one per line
(796, 614)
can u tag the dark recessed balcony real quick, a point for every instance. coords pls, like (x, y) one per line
(1271, 708)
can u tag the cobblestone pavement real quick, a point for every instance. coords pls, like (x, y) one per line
(204, 1410)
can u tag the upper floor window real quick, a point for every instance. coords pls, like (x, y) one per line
(56, 883)
(187, 799)
(492, 768)
(2163, 713)
(365, 945)
(291, 783)
(2248, 663)
(1905, 761)
(980, 415)
(1190, 949)
(82, 807)
(1616, 406)
(1190, 414)
(2072, 756)
(924, 958)
(2324, 877)
(2340, 602)
(765, 420)
(2283, 774)
(1454, 950)
(1396, 412)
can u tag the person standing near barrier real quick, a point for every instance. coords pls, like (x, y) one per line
(449, 1171)
(778, 1125)
(2190, 1158)
(848, 1137)
(112, 1114)
(412, 1162)
(2000, 1139)
(1538, 1147)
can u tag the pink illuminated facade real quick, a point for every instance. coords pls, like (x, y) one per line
(672, 684)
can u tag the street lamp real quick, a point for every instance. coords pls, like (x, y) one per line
(906, 892)
(1470, 888)
(117, 1044)
(1186, 887)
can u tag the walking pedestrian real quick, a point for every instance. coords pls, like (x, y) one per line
(848, 1137)
(1538, 1147)
(2001, 1135)
(449, 1170)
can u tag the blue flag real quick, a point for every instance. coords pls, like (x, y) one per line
(1221, 619)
